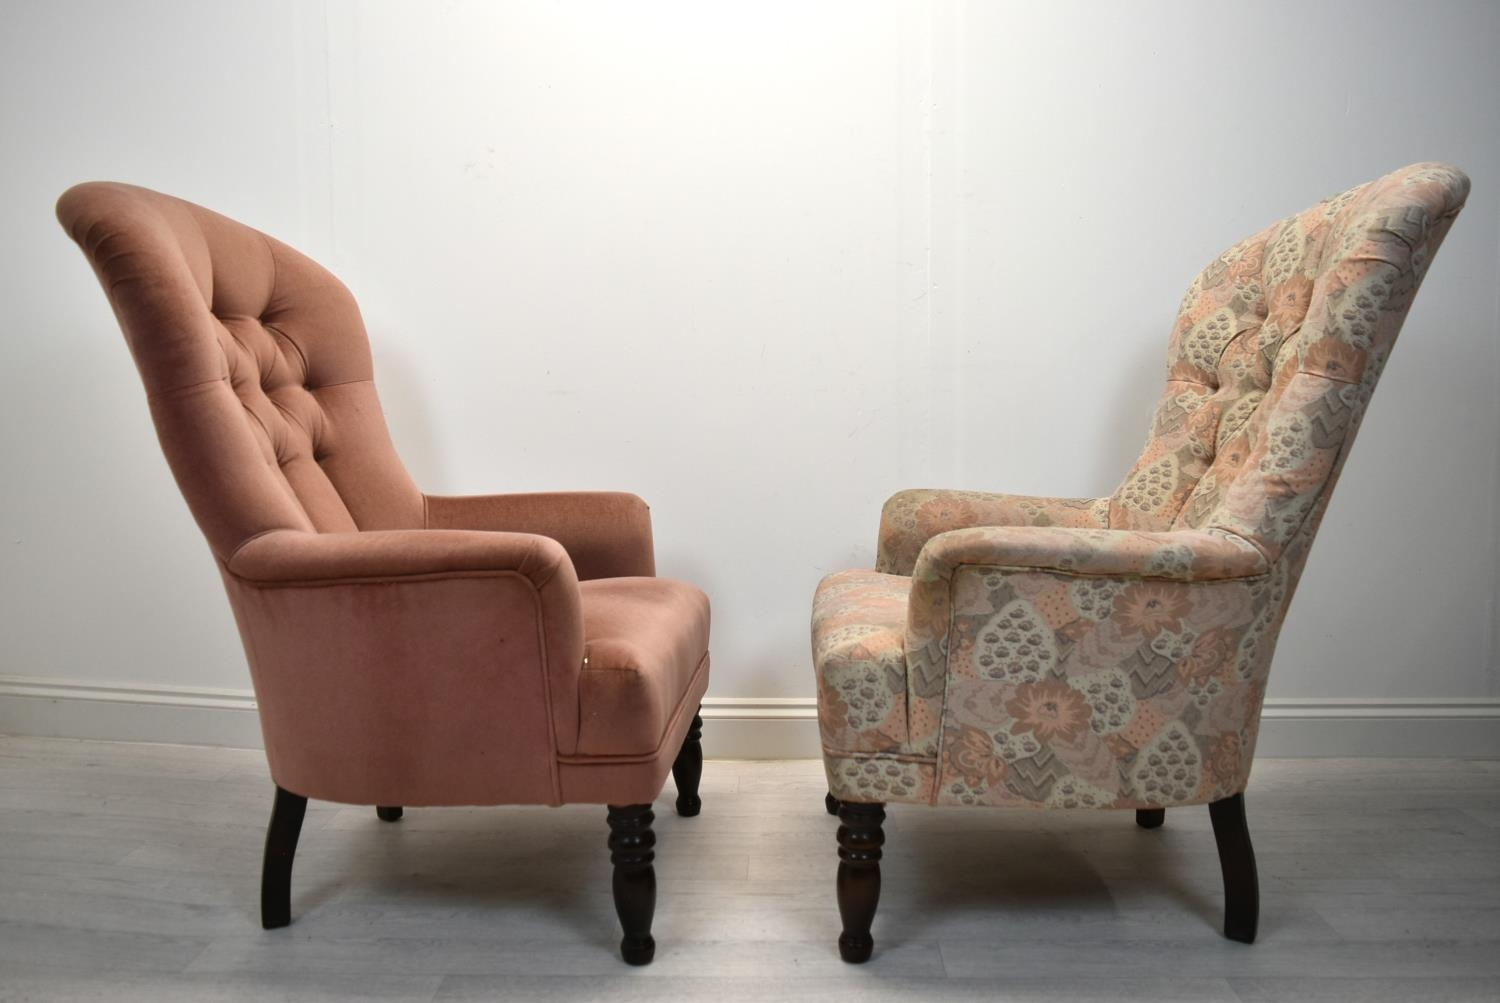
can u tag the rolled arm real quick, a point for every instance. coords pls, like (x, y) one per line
(960, 575)
(412, 666)
(291, 557)
(1180, 555)
(911, 518)
(1107, 651)
(606, 533)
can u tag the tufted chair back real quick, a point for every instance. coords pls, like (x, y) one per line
(256, 364)
(1274, 357)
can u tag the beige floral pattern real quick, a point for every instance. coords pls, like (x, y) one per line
(1050, 710)
(1148, 607)
(911, 518)
(859, 627)
(1114, 652)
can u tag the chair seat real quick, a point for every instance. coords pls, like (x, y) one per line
(859, 648)
(645, 641)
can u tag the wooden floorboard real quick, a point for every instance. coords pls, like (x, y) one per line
(130, 872)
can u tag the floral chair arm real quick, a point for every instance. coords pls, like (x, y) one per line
(911, 518)
(1004, 603)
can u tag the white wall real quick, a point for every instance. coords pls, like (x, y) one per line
(763, 264)
(1105, 159)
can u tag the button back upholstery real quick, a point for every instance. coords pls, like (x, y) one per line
(256, 365)
(1113, 652)
(405, 648)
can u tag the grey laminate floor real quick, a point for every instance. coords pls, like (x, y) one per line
(130, 872)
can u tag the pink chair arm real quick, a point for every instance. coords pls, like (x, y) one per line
(292, 557)
(606, 533)
(412, 666)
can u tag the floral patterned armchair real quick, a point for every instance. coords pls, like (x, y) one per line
(1113, 653)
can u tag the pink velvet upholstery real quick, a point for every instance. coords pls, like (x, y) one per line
(405, 649)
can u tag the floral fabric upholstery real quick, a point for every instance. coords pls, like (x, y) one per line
(859, 644)
(911, 518)
(1115, 652)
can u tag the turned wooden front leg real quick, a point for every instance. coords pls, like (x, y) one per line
(860, 838)
(632, 849)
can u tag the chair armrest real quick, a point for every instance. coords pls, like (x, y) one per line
(412, 666)
(911, 518)
(606, 533)
(292, 557)
(1186, 555)
(1207, 577)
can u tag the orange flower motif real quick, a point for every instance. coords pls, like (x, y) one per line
(1336, 360)
(1289, 302)
(971, 754)
(1150, 607)
(1212, 655)
(1249, 263)
(1048, 710)
(943, 513)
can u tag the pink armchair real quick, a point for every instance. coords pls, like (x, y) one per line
(405, 649)
(1113, 653)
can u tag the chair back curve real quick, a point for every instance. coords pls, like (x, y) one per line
(256, 365)
(1273, 359)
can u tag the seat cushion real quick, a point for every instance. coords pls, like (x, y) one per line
(645, 641)
(859, 649)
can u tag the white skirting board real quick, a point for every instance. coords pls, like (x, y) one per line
(741, 727)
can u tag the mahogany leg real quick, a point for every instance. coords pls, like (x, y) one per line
(632, 850)
(860, 838)
(831, 804)
(287, 812)
(389, 813)
(1150, 818)
(687, 770)
(1237, 860)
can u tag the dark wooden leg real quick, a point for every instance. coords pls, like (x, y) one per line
(688, 770)
(831, 804)
(1237, 859)
(287, 813)
(632, 850)
(860, 839)
(389, 813)
(1150, 818)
